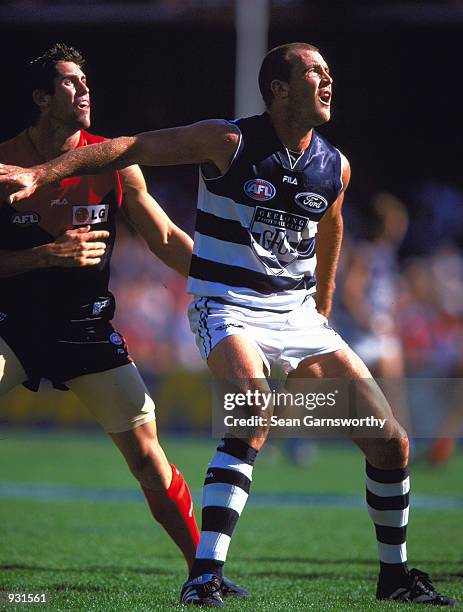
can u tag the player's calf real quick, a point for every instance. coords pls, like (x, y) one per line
(226, 489)
(166, 492)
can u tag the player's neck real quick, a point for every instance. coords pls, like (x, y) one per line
(50, 141)
(294, 136)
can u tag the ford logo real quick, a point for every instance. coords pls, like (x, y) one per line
(311, 201)
(260, 190)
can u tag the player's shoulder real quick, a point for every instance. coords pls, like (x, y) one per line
(13, 151)
(86, 138)
(333, 151)
(321, 141)
(254, 124)
(345, 169)
(216, 131)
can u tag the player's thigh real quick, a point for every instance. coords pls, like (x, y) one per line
(118, 398)
(12, 372)
(228, 339)
(369, 398)
(343, 363)
(236, 358)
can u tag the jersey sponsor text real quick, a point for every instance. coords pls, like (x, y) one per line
(89, 215)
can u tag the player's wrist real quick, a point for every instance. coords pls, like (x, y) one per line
(44, 175)
(42, 256)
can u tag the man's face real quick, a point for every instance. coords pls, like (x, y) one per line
(70, 102)
(310, 88)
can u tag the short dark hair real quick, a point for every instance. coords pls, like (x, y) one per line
(278, 65)
(43, 68)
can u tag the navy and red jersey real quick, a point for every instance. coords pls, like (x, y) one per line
(56, 292)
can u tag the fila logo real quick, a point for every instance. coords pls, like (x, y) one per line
(292, 180)
(59, 202)
(25, 219)
(88, 215)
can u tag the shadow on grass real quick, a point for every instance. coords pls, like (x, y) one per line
(341, 575)
(372, 562)
(89, 568)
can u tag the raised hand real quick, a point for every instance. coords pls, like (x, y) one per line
(20, 183)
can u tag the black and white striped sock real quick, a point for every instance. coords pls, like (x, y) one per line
(387, 499)
(226, 490)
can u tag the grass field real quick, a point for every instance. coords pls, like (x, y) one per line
(73, 525)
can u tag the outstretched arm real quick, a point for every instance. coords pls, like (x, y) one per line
(329, 239)
(167, 241)
(207, 141)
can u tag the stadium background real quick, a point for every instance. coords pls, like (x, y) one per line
(397, 118)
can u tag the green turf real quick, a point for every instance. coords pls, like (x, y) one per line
(111, 556)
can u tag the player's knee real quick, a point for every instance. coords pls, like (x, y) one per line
(397, 450)
(146, 464)
(391, 452)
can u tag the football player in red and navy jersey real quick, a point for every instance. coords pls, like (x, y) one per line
(55, 306)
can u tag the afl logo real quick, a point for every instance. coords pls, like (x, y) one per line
(25, 219)
(260, 190)
(311, 201)
(116, 339)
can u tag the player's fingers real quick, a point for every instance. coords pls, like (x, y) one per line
(94, 252)
(90, 246)
(97, 235)
(81, 262)
(19, 195)
(6, 168)
(89, 261)
(83, 230)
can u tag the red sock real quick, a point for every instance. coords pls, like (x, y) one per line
(173, 509)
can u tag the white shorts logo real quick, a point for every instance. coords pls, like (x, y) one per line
(278, 238)
(89, 215)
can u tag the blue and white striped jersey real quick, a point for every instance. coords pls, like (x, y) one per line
(256, 226)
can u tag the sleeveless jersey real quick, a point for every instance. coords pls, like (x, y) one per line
(56, 292)
(256, 226)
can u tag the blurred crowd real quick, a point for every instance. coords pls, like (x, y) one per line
(399, 298)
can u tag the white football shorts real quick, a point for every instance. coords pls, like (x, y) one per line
(282, 340)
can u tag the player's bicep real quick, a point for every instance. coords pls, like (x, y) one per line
(334, 212)
(206, 141)
(132, 179)
(345, 172)
(142, 211)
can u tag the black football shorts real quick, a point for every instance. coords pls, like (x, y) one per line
(61, 351)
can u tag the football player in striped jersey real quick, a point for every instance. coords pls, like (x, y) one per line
(269, 217)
